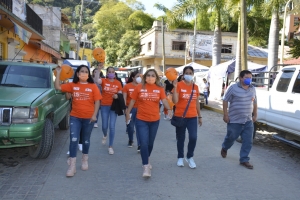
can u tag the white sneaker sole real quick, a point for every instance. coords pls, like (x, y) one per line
(189, 164)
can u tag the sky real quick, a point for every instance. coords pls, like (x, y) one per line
(154, 11)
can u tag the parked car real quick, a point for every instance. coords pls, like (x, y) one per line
(75, 64)
(30, 107)
(278, 106)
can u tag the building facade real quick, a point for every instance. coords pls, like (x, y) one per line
(179, 48)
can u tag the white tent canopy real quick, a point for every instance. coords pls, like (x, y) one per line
(218, 73)
(197, 67)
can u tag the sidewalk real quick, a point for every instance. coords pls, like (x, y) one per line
(214, 105)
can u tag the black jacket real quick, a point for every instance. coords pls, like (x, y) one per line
(118, 105)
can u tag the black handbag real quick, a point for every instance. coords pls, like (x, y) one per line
(179, 121)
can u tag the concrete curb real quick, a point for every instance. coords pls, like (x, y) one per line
(213, 109)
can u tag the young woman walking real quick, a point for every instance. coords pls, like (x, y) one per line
(128, 89)
(110, 90)
(147, 95)
(181, 95)
(85, 105)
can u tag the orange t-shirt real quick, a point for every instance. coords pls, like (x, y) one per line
(148, 97)
(129, 89)
(108, 90)
(184, 92)
(83, 98)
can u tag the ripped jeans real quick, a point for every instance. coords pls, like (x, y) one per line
(77, 125)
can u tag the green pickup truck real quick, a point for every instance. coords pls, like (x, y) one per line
(30, 107)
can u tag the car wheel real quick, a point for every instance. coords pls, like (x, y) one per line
(65, 122)
(43, 149)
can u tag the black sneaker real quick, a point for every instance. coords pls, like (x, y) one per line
(130, 144)
(139, 149)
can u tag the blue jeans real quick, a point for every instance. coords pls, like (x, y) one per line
(191, 124)
(205, 96)
(77, 126)
(130, 126)
(243, 130)
(147, 132)
(107, 114)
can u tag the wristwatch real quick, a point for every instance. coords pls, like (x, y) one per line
(199, 117)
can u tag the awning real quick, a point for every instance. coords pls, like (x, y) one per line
(22, 33)
(47, 49)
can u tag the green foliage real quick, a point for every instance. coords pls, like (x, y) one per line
(258, 27)
(295, 48)
(117, 28)
(140, 20)
(129, 47)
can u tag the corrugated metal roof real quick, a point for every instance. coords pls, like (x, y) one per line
(257, 52)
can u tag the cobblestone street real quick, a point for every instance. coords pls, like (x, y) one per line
(119, 176)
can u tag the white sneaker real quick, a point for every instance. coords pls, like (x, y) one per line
(104, 140)
(191, 162)
(68, 152)
(180, 162)
(110, 151)
(80, 147)
(95, 125)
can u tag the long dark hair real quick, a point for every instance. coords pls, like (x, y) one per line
(132, 75)
(76, 78)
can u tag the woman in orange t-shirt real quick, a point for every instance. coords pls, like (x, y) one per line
(128, 89)
(148, 94)
(110, 89)
(85, 105)
(181, 94)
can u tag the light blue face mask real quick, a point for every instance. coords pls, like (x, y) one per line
(247, 81)
(188, 78)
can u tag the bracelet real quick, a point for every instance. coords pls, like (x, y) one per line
(199, 117)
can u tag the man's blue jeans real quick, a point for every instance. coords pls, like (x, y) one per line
(110, 116)
(86, 127)
(130, 126)
(192, 126)
(246, 133)
(147, 132)
(205, 96)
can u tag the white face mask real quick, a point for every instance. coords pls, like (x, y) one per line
(188, 78)
(138, 79)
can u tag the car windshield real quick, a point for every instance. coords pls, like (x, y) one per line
(24, 76)
(122, 75)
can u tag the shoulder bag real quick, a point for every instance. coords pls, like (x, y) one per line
(179, 121)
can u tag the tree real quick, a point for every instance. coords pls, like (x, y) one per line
(129, 47)
(295, 48)
(190, 8)
(140, 20)
(273, 7)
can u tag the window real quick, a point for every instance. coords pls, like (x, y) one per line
(226, 48)
(149, 46)
(25, 76)
(180, 46)
(284, 81)
(296, 87)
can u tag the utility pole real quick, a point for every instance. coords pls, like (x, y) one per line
(194, 42)
(79, 30)
(163, 45)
